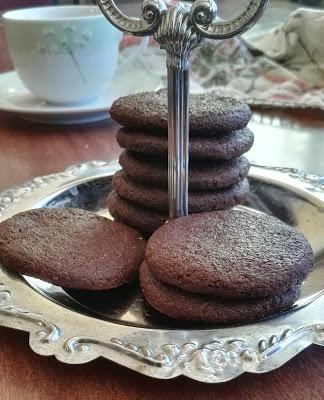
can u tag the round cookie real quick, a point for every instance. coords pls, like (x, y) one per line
(179, 304)
(232, 254)
(210, 114)
(221, 147)
(142, 219)
(202, 175)
(157, 199)
(71, 248)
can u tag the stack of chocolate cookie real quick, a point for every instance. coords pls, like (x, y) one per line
(217, 174)
(224, 267)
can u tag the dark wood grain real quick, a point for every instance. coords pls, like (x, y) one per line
(28, 150)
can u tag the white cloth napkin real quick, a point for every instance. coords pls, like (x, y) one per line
(298, 45)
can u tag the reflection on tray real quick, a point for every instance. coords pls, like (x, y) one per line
(125, 305)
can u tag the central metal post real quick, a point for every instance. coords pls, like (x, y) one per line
(178, 30)
(178, 141)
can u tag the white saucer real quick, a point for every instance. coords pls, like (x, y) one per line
(14, 97)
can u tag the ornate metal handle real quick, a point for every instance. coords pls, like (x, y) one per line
(179, 30)
(152, 11)
(202, 15)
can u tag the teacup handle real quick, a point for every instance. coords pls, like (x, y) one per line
(135, 54)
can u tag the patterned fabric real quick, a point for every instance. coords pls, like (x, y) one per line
(283, 68)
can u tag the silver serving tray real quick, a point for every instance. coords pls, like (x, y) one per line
(79, 326)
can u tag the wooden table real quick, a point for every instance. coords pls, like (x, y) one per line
(28, 150)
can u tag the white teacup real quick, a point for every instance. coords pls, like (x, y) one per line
(63, 54)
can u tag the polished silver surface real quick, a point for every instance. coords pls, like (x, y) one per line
(178, 30)
(295, 140)
(79, 326)
(178, 148)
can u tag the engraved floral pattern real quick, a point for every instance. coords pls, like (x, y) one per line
(215, 361)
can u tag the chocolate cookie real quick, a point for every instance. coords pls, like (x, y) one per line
(232, 253)
(157, 199)
(210, 114)
(221, 147)
(202, 175)
(143, 219)
(71, 248)
(179, 304)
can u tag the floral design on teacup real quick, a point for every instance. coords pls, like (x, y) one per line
(66, 40)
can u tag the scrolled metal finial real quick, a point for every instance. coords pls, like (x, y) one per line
(177, 36)
(152, 11)
(224, 29)
(203, 12)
